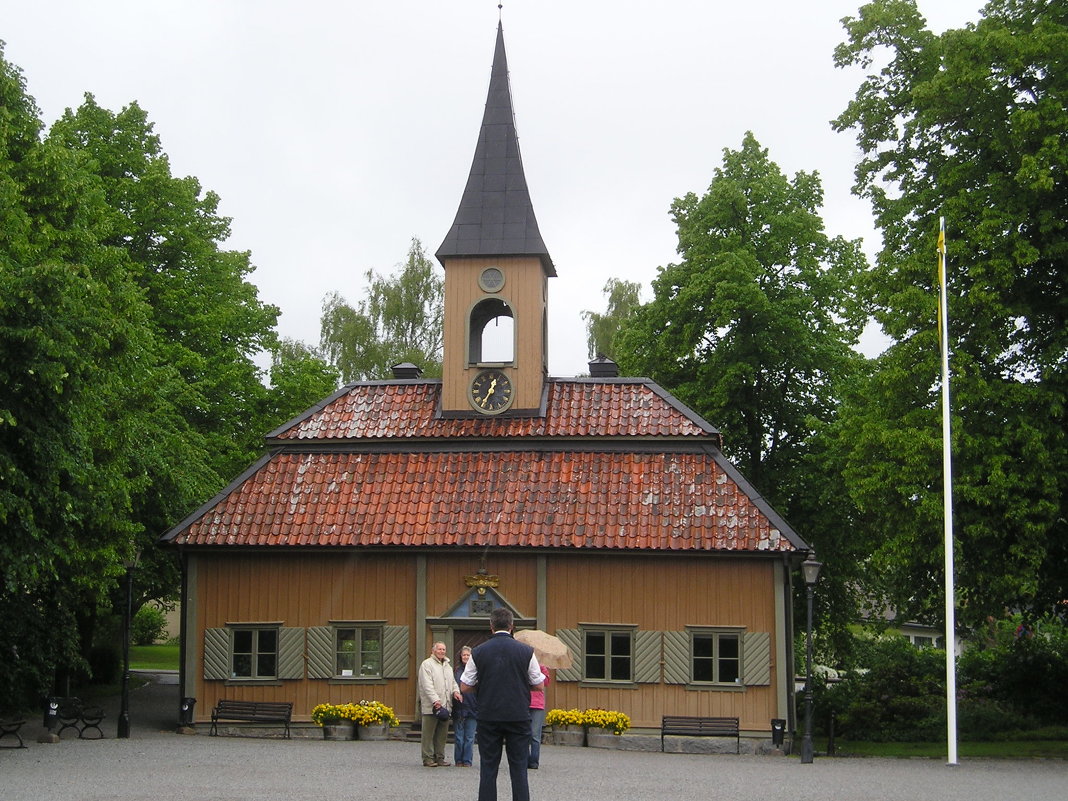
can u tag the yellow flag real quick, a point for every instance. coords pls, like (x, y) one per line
(942, 295)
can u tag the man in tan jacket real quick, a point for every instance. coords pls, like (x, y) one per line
(437, 690)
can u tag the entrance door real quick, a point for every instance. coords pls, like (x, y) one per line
(474, 638)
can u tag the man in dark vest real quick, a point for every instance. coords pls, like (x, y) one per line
(504, 671)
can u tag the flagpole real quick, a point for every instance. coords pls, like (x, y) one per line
(947, 499)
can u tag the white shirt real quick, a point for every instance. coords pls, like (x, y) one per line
(470, 676)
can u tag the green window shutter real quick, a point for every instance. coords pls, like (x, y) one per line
(395, 656)
(647, 657)
(676, 657)
(320, 652)
(216, 654)
(573, 640)
(756, 658)
(291, 652)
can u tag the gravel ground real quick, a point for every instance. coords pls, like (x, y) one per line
(155, 763)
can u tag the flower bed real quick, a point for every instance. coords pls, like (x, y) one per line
(570, 726)
(365, 713)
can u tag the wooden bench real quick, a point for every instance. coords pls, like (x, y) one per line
(252, 712)
(11, 727)
(700, 727)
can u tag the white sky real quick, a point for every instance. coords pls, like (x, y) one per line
(334, 132)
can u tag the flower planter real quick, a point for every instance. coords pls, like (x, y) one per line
(376, 731)
(345, 730)
(602, 738)
(569, 735)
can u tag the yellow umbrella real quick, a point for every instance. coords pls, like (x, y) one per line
(550, 650)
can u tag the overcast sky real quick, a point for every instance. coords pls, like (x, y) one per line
(334, 132)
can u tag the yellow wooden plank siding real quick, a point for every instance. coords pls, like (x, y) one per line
(665, 594)
(517, 577)
(303, 591)
(655, 593)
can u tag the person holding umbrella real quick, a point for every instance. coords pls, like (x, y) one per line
(537, 720)
(551, 653)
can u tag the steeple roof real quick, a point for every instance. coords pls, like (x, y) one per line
(496, 217)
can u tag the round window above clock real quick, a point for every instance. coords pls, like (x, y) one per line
(491, 392)
(491, 279)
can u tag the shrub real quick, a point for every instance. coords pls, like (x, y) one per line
(149, 625)
(901, 697)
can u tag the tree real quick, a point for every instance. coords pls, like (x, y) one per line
(400, 320)
(206, 319)
(207, 315)
(75, 359)
(754, 327)
(968, 124)
(128, 386)
(299, 378)
(601, 329)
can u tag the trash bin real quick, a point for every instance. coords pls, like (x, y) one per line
(778, 732)
(185, 711)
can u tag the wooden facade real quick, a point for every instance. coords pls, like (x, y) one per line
(416, 591)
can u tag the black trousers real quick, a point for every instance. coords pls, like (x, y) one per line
(513, 738)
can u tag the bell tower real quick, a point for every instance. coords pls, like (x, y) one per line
(497, 267)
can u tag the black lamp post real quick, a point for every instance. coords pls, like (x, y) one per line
(810, 569)
(127, 620)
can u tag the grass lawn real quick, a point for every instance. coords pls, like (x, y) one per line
(1019, 749)
(154, 657)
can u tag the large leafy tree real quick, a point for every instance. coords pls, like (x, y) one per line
(969, 124)
(76, 357)
(399, 320)
(128, 386)
(754, 327)
(212, 407)
(206, 313)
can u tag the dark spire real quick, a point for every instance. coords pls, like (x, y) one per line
(496, 217)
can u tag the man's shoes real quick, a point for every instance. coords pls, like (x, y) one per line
(532, 767)
(430, 764)
(444, 764)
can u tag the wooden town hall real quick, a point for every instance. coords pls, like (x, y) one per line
(396, 513)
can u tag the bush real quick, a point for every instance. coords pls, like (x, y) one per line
(981, 719)
(149, 625)
(900, 698)
(1009, 684)
(1024, 673)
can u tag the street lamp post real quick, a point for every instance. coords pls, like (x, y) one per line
(127, 620)
(810, 569)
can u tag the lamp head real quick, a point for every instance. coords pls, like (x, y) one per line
(810, 569)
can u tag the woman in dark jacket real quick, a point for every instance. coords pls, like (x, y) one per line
(463, 718)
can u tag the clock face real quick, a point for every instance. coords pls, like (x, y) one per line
(491, 392)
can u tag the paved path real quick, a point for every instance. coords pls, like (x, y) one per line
(155, 763)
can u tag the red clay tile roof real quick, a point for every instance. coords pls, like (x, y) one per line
(614, 464)
(579, 408)
(629, 501)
